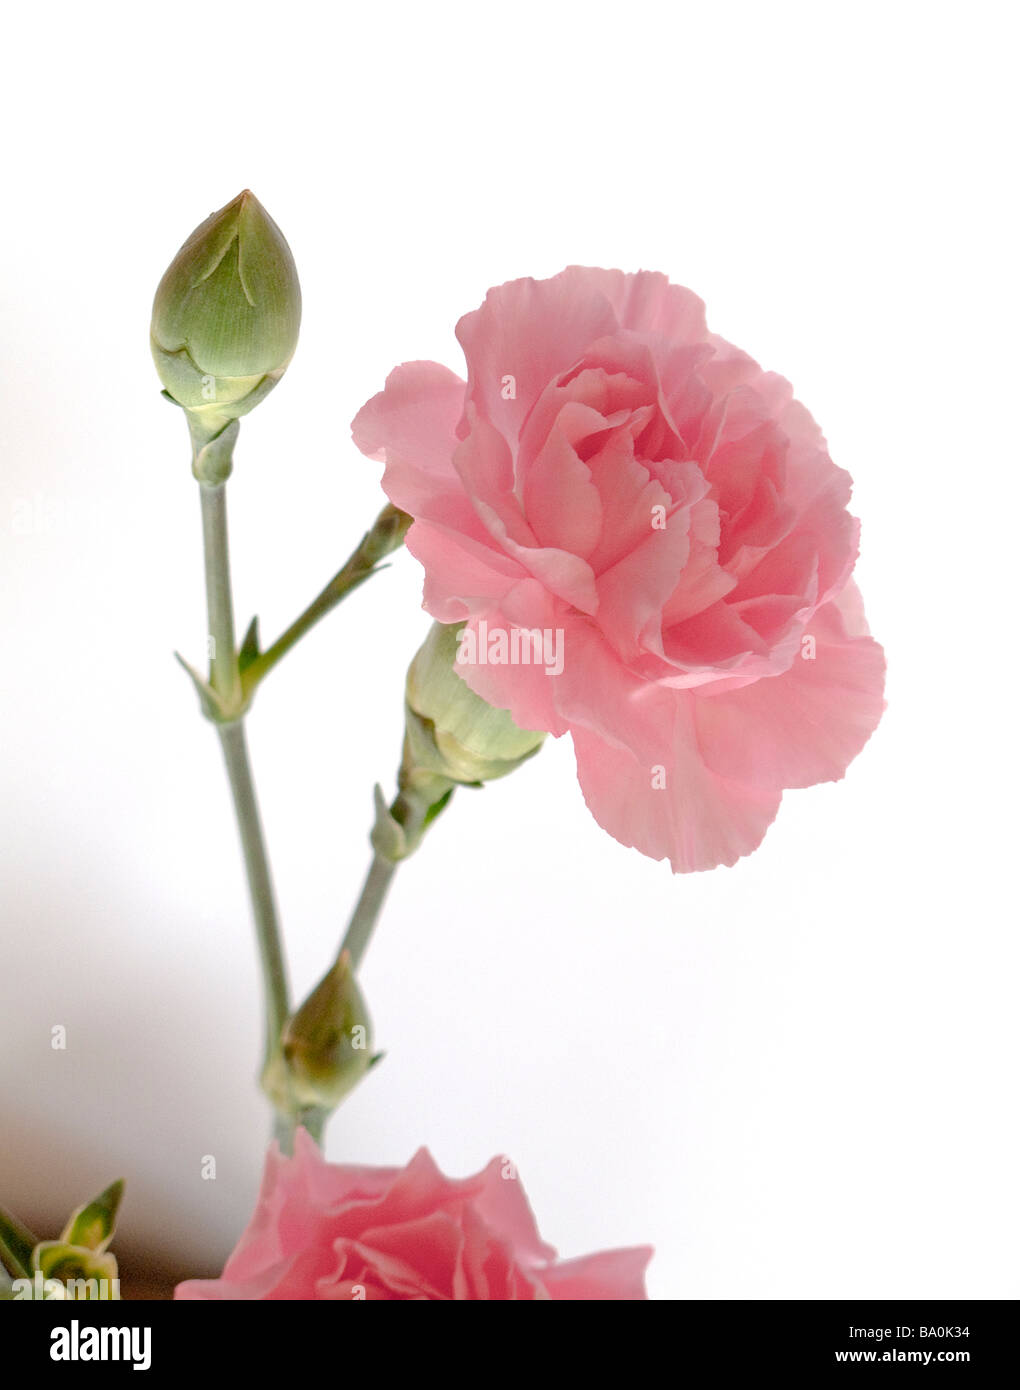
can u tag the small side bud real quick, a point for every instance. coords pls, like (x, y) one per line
(326, 1046)
(78, 1265)
(226, 315)
(451, 738)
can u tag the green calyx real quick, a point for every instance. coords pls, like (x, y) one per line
(325, 1048)
(451, 732)
(452, 738)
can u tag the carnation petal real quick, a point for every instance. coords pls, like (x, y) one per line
(462, 575)
(411, 424)
(672, 806)
(805, 725)
(529, 331)
(504, 1206)
(561, 502)
(611, 1275)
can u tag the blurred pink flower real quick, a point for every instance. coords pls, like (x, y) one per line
(334, 1231)
(618, 478)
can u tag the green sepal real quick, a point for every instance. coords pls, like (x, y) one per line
(92, 1225)
(440, 805)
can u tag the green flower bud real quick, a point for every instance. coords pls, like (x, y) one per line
(451, 732)
(77, 1271)
(226, 316)
(76, 1266)
(452, 737)
(326, 1046)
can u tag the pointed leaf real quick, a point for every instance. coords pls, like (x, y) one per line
(92, 1225)
(388, 837)
(212, 705)
(250, 646)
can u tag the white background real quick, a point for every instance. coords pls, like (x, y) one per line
(797, 1077)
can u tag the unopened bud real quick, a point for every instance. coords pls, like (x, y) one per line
(451, 732)
(226, 316)
(326, 1046)
(78, 1265)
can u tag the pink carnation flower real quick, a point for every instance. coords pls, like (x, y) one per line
(334, 1231)
(619, 479)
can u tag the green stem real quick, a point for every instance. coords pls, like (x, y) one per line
(411, 812)
(260, 886)
(369, 908)
(224, 676)
(386, 535)
(225, 681)
(314, 1120)
(10, 1266)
